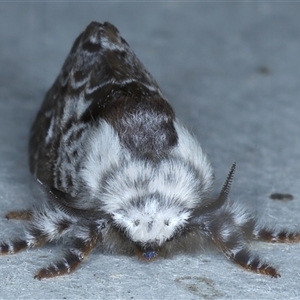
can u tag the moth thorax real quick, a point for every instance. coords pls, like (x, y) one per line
(151, 221)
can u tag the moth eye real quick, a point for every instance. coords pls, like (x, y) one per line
(167, 222)
(137, 222)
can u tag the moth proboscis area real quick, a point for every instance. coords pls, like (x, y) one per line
(121, 173)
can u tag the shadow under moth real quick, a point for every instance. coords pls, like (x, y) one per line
(121, 173)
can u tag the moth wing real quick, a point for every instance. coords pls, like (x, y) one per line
(99, 69)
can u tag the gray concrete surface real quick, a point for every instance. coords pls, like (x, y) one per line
(231, 72)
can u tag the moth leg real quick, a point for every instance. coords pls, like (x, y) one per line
(43, 227)
(77, 252)
(25, 215)
(275, 236)
(231, 242)
(31, 239)
(249, 261)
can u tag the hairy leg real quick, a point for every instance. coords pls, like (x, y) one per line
(275, 236)
(77, 251)
(43, 227)
(229, 238)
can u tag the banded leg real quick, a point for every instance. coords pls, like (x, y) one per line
(78, 251)
(250, 261)
(275, 236)
(231, 242)
(43, 227)
(19, 244)
(238, 252)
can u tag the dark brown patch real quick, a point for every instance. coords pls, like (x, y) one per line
(75, 154)
(39, 235)
(91, 47)
(281, 197)
(4, 248)
(79, 75)
(19, 215)
(283, 235)
(20, 245)
(143, 119)
(263, 70)
(266, 235)
(63, 225)
(63, 89)
(150, 135)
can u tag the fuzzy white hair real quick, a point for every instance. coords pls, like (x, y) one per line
(149, 201)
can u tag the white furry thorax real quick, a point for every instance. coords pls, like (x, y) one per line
(148, 201)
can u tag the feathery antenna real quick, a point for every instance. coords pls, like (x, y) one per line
(227, 185)
(223, 194)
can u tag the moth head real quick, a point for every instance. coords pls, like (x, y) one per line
(151, 220)
(149, 202)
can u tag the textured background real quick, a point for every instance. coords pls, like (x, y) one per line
(231, 72)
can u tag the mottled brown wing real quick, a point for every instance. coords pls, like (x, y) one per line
(100, 70)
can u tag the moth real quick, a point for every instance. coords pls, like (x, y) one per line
(120, 172)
